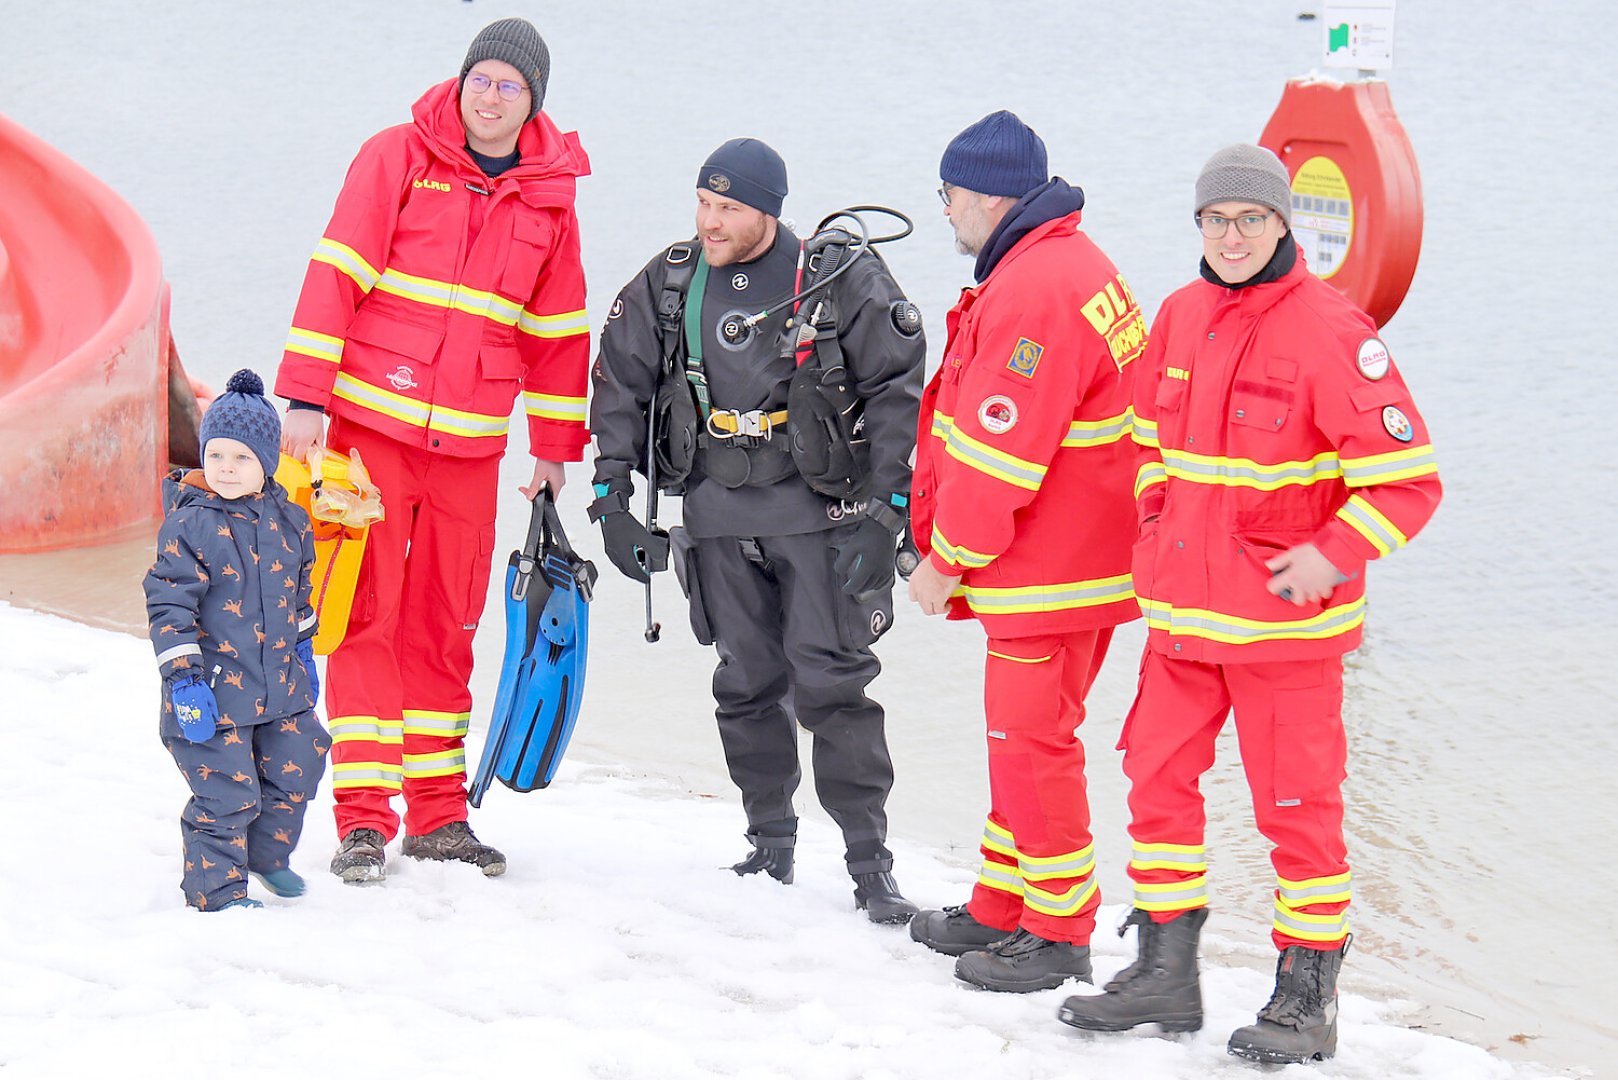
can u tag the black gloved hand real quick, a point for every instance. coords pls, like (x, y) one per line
(865, 558)
(635, 551)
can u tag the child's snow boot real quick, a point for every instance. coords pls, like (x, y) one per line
(284, 882)
(240, 902)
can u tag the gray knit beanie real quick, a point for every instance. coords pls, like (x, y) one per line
(1246, 173)
(516, 42)
(242, 413)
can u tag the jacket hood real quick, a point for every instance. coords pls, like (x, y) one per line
(1056, 199)
(188, 487)
(548, 153)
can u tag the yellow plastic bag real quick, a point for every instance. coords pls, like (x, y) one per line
(342, 504)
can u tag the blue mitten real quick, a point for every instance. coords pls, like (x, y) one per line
(306, 653)
(194, 707)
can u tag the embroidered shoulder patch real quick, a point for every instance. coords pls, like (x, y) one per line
(1025, 357)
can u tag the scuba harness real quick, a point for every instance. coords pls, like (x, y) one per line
(820, 434)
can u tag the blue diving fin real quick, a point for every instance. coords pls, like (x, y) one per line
(547, 598)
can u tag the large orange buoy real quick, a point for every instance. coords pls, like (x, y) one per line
(1356, 191)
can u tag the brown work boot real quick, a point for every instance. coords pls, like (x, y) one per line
(455, 843)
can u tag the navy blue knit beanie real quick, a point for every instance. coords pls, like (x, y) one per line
(748, 171)
(241, 413)
(998, 155)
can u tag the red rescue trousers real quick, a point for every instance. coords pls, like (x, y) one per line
(397, 686)
(1289, 726)
(1038, 861)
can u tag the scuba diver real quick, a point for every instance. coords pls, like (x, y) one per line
(774, 383)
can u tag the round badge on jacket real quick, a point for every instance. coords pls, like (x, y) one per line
(1373, 358)
(997, 414)
(1398, 424)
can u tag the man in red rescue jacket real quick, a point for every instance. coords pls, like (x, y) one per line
(447, 284)
(1280, 452)
(1024, 512)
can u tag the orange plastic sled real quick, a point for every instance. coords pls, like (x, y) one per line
(342, 504)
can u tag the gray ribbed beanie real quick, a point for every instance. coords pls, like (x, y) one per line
(516, 42)
(1246, 173)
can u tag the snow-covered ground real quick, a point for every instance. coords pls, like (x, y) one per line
(616, 946)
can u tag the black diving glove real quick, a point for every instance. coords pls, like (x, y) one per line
(865, 560)
(637, 552)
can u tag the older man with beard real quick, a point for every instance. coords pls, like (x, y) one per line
(1024, 515)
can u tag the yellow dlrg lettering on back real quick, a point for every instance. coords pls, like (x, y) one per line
(1113, 313)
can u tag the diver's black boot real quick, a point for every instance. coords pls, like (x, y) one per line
(1161, 987)
(1024, 962)
(953, 931)
(771, 854)
(1300, 1022)
(877, 894)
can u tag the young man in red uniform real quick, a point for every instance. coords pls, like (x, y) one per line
(447, 284)
(1024, 511)
(1280, 452)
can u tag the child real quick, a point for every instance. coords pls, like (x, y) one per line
(230, 618)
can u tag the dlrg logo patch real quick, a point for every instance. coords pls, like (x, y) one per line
(1025, 357)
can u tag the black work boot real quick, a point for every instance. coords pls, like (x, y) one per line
(1300, 1022)
(1161, 987)
(455, 843)
(1023, 963)
(771, 854)
(877, 894)
(953, 931)
(360, 857)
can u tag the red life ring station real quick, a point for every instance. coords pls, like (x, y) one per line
(1356, 191)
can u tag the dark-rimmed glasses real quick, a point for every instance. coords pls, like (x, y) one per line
(1214, 226)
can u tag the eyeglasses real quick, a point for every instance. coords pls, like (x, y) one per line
(479, 83)
(1214, 226)
(944, 193)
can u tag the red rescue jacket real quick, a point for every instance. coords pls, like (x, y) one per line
(1268, 417)
(1024, 468)
(437, 294)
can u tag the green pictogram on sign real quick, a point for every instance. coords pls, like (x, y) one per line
(1337, 38)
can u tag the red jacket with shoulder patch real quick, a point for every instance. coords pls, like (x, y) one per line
(1024, 469)
(1268, 417)
(437, 295)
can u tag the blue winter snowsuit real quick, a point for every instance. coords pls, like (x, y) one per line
(229, 595)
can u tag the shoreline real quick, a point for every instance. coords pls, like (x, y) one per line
(100, 587)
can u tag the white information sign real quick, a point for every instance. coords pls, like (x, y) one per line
(1359, 35)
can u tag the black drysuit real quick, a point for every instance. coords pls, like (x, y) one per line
(758, 560)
